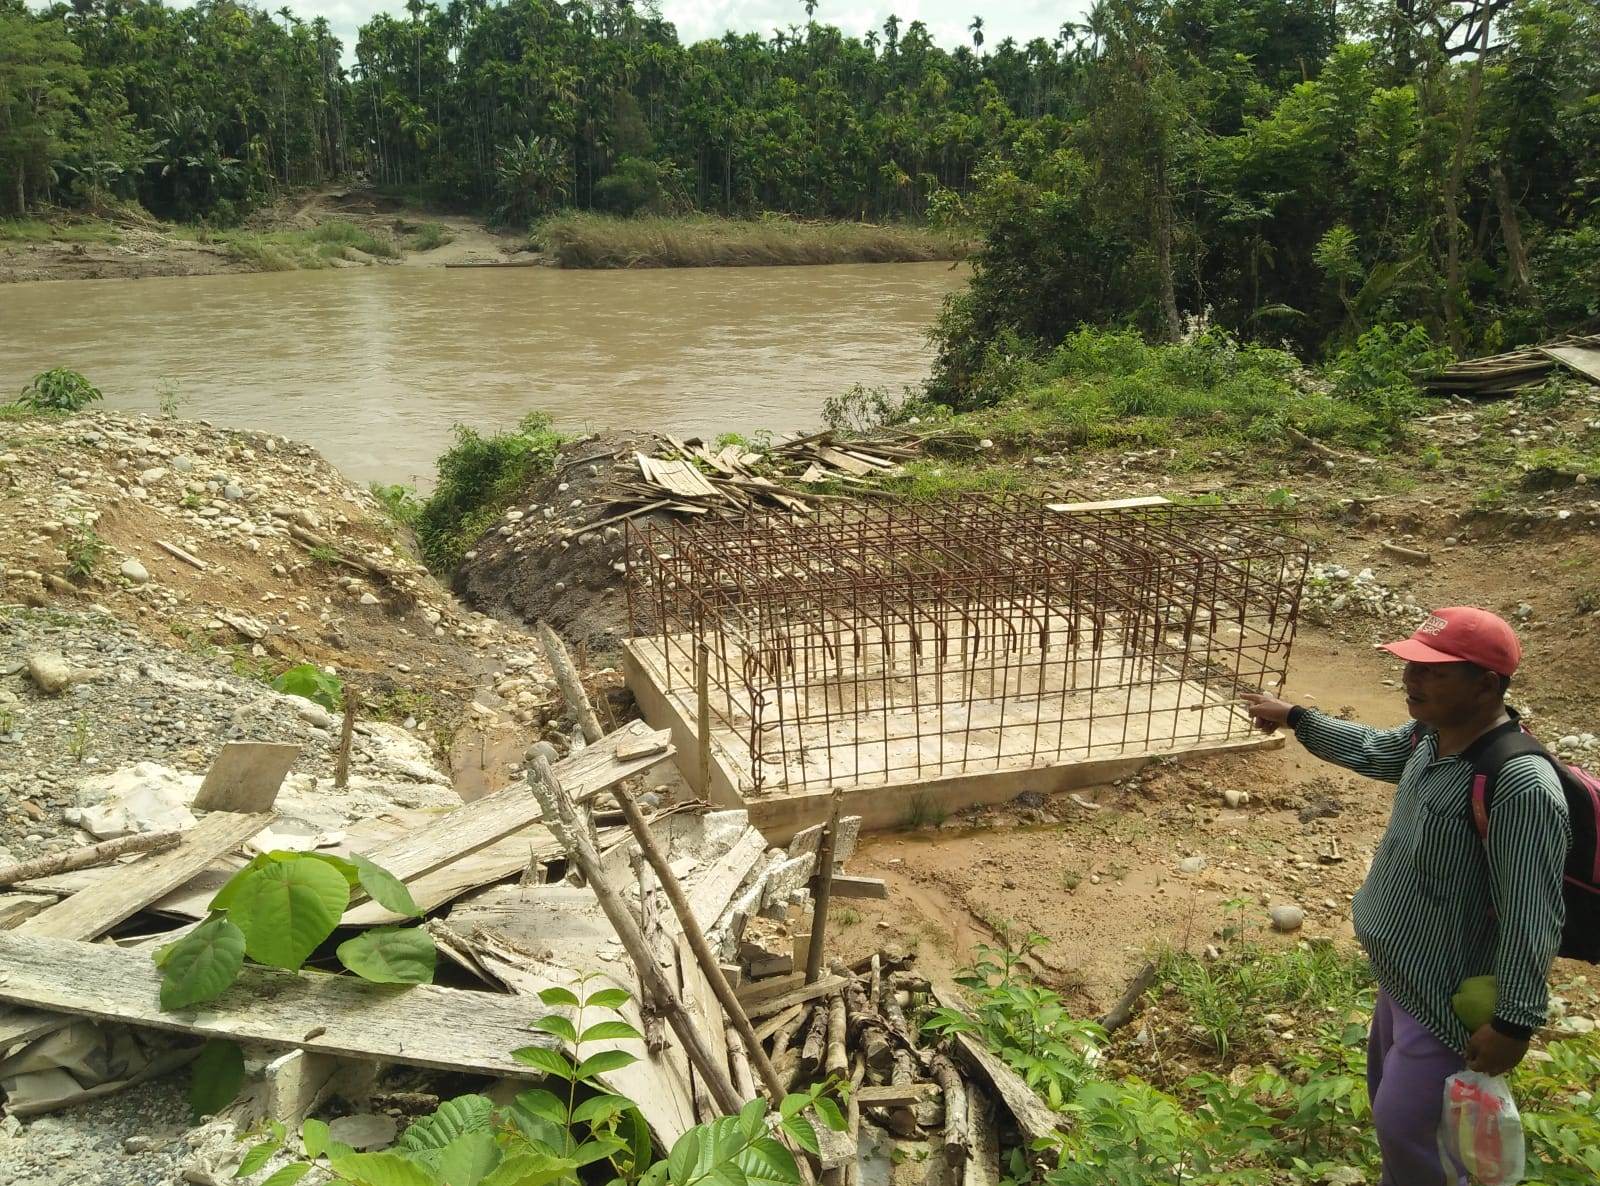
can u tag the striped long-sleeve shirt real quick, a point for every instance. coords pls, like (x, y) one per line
(1439, 905)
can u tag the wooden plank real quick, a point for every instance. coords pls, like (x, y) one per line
(295, 1083)
(1584, 359)
(895, 1096)
(426, 1026)
(17, 908)
(761, 1007)
(245, 777)
(712, 889)
(480, 823)
(1034, 1118)
(773, 1024)
(1109, 504)
(845, 886)
(101, 907)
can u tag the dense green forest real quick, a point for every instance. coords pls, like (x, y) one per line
(1289, 170)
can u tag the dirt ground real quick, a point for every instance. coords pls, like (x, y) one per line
(145, 247)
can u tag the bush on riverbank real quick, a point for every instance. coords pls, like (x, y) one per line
(579, 240)
(478, 477)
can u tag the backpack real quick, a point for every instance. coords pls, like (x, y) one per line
(1580, 888)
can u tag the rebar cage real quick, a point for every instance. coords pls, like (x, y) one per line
(888, 643)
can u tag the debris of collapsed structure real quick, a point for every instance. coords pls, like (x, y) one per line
(523, 892)
(1500, 375)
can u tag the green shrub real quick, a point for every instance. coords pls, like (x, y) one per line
(430, 235)
(58, 390)
(399, 501)
(84, 549)
(479, 476)
(1378, 373)
(310, 682)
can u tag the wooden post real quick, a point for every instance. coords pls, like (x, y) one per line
(341, 770)
(702, 691)
(89, 856)
(739, 1064)
(704, 956)
(561, 817)
(819, 907)
(561, 666)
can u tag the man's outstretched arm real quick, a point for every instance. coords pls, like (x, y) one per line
(1373, 753)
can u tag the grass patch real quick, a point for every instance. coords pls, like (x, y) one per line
(430, 235)
(582, 240)
(292, 250)
(479, 476)
(41, 230)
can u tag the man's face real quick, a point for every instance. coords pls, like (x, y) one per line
(1442, 694)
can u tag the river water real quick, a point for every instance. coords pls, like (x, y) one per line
(374, 366)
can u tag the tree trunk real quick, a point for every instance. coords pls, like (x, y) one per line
(1511, 231)
(1454, 180)
(1169, 296)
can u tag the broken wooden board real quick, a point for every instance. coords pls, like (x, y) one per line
(894, 1096)
(478, 824)
(759, 1005)
(682, 478)
(710, 891)
(447, 1029)
(535, 915)
(1108, 504)
(101, 907)
(1582, 355)
(847, 886)
(245, 777)
(1034, 1118)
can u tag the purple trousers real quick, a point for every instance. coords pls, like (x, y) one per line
(1406, 1070)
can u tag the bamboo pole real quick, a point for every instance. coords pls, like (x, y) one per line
(703, 954)
(702, 688)
(561, 817)
(561, 666)
(819, 907)
(88, 856)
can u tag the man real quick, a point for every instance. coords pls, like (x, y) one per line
(1440, 904)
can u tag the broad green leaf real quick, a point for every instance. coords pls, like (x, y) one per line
(803, 1134)
(684, 1160)
(287, 909)
(347, 869)
(557, 995)
(603, 1031)
(539, 1102)
(793, 1104)
(215, 1079)
(202, 964)
(391, 955)
(541, 1134)
(605, 1060)
(382, 1169)
(752, 1115)
(314, 1136)
(829, 1111)
(766, 1162)
(385, 889)
(600, 1108)
(312, 683)
(599, 1146)
(551, 1062)
(606, 998)
(463, 1114)
(554, 1023)
(288, 1175)
(467, 1159)
(656, 1175)
(223, 898)
(529, 1169)
(258, 1156)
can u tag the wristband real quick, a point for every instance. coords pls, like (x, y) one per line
(1296, 715)
(1511, 1029)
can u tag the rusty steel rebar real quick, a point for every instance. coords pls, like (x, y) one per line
(890, 642)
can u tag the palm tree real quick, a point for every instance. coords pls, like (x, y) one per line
(977, 32)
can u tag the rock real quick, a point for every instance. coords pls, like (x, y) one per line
(545, 750)
(365, 1130)
(1286, 918)
(51, 672)
(369, 599)
(1577, 1025)
(312, 714)
(1236, 798)
(182, 464)
(152, 475)
(233, 493)
(1191, 864)
(134, 571)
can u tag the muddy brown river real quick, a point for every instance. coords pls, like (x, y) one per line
(373, 367)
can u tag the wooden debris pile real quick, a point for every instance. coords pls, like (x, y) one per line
(1502, 375)
(691, 477)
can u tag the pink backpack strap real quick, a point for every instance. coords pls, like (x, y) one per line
(1480, 805)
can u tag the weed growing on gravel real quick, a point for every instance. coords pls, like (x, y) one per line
(169, 399)
(78, 743)
(58, 390)
(399, 502)
(84, 549)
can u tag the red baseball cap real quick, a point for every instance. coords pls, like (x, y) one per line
(1461, 634)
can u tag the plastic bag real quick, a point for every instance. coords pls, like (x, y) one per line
(1481, 1130)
